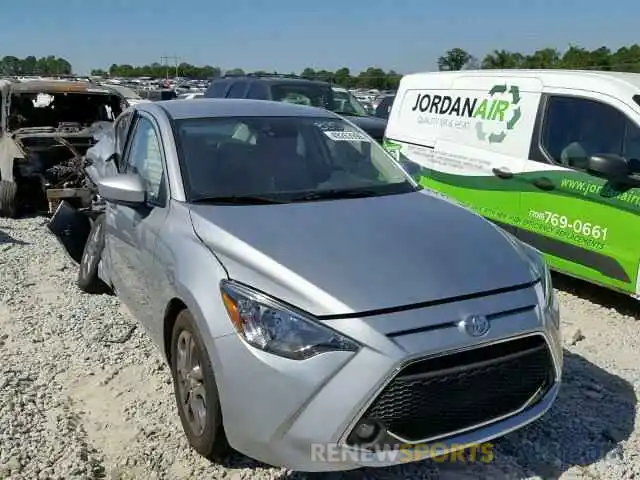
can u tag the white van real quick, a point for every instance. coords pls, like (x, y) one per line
(552, 156)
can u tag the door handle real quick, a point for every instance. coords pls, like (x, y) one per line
(543, 183)
(500, 173)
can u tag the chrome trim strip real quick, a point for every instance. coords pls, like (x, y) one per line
(394, 373)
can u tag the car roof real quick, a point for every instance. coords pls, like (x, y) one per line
(59, 86)
(272, 79)
(604, 81)
(126, 92)
(233, 107)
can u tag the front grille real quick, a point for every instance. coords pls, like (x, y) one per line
(439, 396)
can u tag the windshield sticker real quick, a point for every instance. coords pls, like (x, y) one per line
(346, 136)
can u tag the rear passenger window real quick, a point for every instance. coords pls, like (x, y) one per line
(576, 128)
(258, 91)
(217, 89)
(237, 90)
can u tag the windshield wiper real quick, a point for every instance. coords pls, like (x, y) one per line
(350, 114)
(239, 200)
(335, 194)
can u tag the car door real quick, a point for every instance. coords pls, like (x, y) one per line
(587, 225)
(132, 232)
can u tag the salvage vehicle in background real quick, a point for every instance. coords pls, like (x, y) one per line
(257, 242)
(46, 128)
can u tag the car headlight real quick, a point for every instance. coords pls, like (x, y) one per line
(544, 273)
(269, 325)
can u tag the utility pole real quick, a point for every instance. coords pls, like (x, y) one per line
(165, 61)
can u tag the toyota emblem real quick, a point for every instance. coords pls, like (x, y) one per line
(475, 325)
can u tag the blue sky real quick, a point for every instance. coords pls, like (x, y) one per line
(288, 35)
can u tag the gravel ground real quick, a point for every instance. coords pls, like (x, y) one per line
(84, 393)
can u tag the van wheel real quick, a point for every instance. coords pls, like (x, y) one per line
(196, 391)
(8, 191)
(88, 280)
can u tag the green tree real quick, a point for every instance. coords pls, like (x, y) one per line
(235, 71)
(49, 65)
(454, 59)
(503, 59)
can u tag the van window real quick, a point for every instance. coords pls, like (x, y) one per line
(258, 91)
(237, 90)
(576, 128)
(217, 89)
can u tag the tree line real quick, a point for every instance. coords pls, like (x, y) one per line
(49, 65)
(624, 59)
(370, 78)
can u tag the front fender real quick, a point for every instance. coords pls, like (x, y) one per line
(193, 275)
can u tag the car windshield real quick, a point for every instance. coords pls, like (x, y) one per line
(318, 95)
(283, 159)
(347, 104)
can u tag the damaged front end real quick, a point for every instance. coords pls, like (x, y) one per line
(52, 143)
(50, 126)
(51, 167)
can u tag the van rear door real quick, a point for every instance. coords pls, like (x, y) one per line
(478, 131)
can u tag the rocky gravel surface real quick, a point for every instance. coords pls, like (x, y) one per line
(84, 394)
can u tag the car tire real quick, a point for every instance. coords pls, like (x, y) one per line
(196, 391)
(88, 279)
(8, 191)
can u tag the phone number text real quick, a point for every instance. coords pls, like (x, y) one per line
(588, 229)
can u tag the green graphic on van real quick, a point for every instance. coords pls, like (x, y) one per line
(490, 109)
(504, 111)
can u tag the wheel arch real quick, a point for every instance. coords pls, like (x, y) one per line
(172, 310)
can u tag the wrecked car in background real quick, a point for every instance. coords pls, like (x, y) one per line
(46, 129)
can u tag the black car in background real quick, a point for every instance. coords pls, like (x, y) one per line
(289, 88)
(382, 107)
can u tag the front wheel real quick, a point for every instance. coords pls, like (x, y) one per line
(196, 391)
(88, 279)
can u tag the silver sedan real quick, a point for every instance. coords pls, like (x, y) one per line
(318, 308)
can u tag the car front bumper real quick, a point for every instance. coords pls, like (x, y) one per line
(299, 414)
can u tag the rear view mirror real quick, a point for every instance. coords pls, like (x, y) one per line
(609, 166)
(124, 189)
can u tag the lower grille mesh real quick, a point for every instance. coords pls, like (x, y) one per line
(439, 396)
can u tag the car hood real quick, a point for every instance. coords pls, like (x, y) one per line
(350, 256)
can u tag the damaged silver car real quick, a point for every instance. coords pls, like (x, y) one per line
(46, 128)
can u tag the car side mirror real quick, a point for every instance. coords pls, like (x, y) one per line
(124, 189)
(609, 166)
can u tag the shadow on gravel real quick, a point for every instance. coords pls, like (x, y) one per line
(604, 297)
(593, 413)
(6, 239)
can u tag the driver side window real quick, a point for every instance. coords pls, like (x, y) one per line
(144, 157)
(121, 129)
(577, 128)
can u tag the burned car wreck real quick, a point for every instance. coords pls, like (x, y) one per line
(46, 129)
